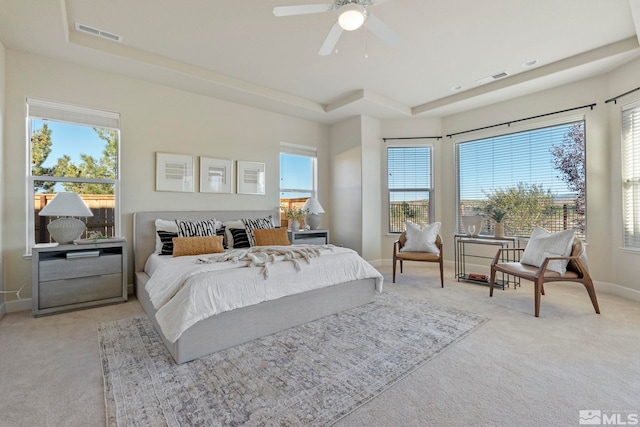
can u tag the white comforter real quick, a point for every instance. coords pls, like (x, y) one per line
(185, 291)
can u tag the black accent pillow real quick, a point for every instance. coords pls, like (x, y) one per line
(166, 237)
(221, 232)
(240, 238)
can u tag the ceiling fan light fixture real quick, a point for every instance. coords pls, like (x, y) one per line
(351, 16)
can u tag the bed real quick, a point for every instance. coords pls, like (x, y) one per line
(231, 328)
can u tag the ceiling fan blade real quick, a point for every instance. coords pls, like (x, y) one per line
(331, 40)
(302, 9)
(381, 30)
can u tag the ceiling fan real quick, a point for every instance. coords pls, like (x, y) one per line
(352, 14)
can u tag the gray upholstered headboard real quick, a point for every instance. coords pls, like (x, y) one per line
(144, 228)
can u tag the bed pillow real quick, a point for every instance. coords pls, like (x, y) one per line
(240, 238)
(166, 237)
(421, 239)
(543, 244)
(198, 228)
(251, 224)
(271, 237)
(167, 226)
(197, 245)
(228, 226)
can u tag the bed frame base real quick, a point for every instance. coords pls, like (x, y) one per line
(246, 324)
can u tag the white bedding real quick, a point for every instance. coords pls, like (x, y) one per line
(183, 293)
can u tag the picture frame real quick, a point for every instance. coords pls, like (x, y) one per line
(216, 175)
(251, 177)
(174, 172)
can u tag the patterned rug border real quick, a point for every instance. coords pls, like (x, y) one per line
(480, 321)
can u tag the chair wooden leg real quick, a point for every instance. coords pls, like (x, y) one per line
(441, 274)
(394, 270)
(542, 288)
(492, 279)
(537, 289)
(400, 266)
(592, 294)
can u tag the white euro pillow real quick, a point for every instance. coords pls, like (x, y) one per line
(543, 244)
(421, 239)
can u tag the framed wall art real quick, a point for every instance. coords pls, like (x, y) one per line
(250, 177)
(174, 172)
(215, 175)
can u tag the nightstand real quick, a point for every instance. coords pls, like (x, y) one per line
(309, 237)
(71, 277)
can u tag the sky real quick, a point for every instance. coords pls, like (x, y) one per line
(72, 140)
(295, 172)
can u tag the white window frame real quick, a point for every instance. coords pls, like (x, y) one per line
(485, 134)
(630, 150)
(306, 151)
(429, 190)
(72, 114)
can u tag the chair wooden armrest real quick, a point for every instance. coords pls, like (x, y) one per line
(498, 255)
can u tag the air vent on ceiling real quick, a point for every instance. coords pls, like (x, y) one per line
(493, 78)
(96, 32)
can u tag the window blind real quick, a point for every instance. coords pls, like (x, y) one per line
(298, 150)
(519, 162)
(409, 184)
(631, 175)
(47, 110)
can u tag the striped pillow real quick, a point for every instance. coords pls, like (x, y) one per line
(197, 228)
(240, 238)
(166, 239)
(256, 223)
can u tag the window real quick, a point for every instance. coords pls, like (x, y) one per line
(298, 175)
(72, 149)
(536, 176)
(631, 175)
(409, 185)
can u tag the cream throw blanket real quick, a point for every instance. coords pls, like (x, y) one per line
(262, 256)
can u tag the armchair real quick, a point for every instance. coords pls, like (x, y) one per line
(576, 272)
(416, 256)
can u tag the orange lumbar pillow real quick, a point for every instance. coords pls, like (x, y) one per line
(183, 246)
(271, 237)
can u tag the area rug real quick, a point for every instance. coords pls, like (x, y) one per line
(313, 374)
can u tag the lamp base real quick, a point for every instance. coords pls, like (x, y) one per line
(312, 220)
(65, 230)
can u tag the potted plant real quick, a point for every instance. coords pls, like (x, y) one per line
(497, 216)
(293, 214)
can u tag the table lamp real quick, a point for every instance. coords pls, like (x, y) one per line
(66, 230)
(313, 206)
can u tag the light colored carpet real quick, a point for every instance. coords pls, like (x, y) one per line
(312, 374)
(516, 370)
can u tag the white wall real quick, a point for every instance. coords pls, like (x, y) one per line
(371, 183)
(345, 160)
(2, 175)
(153, 118)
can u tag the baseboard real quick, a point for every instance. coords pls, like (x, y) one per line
(621, 291)
(376, 262)
(18, 305)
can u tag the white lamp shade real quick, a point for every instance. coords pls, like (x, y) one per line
(66, 204)
(313, 205)
(351, 17)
